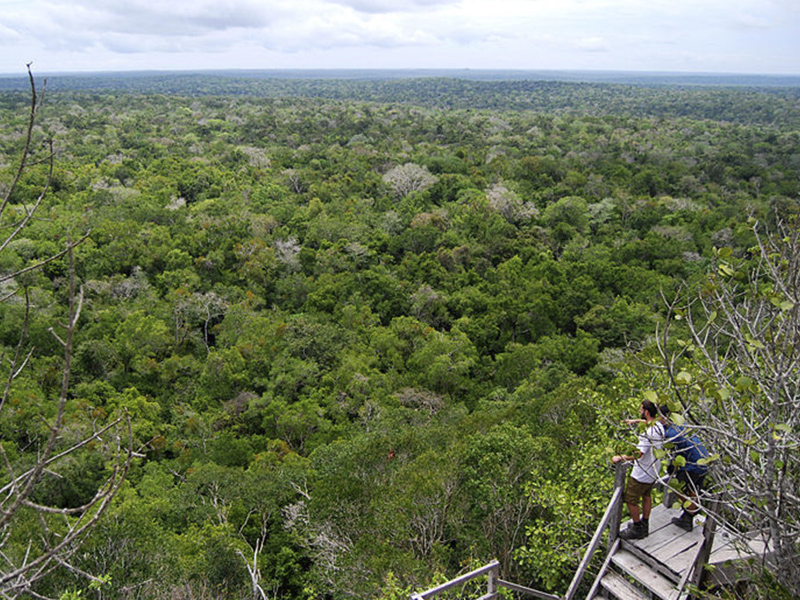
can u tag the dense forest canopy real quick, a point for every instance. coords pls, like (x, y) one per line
(368, 332)
(745, 99)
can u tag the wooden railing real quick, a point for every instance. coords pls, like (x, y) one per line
(611, 519)
(494, 583)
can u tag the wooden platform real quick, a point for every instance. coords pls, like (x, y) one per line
(668, 545)
(665, 565)
(674, 550)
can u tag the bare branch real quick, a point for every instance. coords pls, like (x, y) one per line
(46, 261)
(743, 328)
(61, 531)
(23, 162)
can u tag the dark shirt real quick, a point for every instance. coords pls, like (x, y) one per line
(687, 445)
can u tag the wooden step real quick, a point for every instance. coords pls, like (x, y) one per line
(645, 575)
(621, 588)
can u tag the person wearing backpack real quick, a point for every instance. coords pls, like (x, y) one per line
(687, 465)
(644, 473)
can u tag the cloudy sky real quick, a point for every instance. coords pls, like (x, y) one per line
(720, 36)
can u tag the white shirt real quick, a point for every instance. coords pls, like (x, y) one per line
(646, 467)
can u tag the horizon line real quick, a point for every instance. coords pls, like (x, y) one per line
(638, 72)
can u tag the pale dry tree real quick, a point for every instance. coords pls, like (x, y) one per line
(38, 537)
(408, 178)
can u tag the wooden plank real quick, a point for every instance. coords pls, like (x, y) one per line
(676, 542)
(690, 569)
(727, 553)
(647, 559)
(725, 548)
(680, 556)
(665, 539)
(668, 545)
(662, 531)
(621, 588)
(661, 516)
(645, 574)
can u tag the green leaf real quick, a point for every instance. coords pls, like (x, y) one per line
(680, 461)
(683, 378)
(784, 427)
(651, 396)
(677, 418)
(786, 305)
(751, 341)
(713, 458)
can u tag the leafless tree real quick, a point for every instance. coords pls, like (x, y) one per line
(408, 178)
(52, 533)
(194, 308)
(732, 352)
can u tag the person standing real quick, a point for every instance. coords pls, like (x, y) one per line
(644, 473)
(688, 466)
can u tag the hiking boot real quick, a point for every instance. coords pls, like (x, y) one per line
(685, 521)
(635, 531)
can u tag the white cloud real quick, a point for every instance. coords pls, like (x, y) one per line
(393, 6)
(755, 35)
(593, 44)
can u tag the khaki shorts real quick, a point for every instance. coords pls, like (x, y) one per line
(636, 490)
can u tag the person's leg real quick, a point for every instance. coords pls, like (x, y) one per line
(647, 506)
(632, 497)
(633, 493)
(694, 482)
(688, 497)
(634, 510)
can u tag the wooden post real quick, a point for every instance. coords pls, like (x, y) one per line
(709, 529)
(491, 586)
(616, 515)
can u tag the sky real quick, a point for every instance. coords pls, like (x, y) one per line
(682, 36)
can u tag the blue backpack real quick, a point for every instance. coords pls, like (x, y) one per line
(689, 446)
